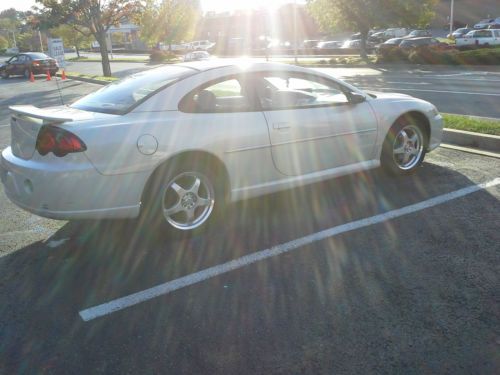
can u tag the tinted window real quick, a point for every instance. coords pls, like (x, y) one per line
(289, 91)
(225, 95)
(119, 97)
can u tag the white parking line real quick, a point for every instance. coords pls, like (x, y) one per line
(208, 273)
(4, 126)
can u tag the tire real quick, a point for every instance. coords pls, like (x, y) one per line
(183, 199)
(27, 73)
(404, 148)
(4, 74)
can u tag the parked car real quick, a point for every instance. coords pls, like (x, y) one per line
(200, 45)
(433, 43)
(12, 51)
(24, 64)
(378, 37)
(389, 45)
(357, 44)
(459, 33)
(419, 33)
(330, 44)
(483, 24)
(395, 32)
(311, 43)
(196, 56)
(177, 142)
(480, 38)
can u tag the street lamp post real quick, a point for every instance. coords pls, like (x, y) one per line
(295, 30)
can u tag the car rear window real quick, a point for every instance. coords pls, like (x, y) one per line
(38, 56)
(121, 96)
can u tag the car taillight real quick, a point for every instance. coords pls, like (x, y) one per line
(59, 141)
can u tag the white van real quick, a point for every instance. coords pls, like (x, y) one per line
(489, 37)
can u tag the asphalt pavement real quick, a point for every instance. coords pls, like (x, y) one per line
(361, 274)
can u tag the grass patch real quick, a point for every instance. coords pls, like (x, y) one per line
(90, 76)
(121, 59)
(472, 124)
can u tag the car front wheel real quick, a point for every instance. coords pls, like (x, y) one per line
(404, 148)
(4, 74)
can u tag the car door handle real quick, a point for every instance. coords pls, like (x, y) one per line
(281, 125)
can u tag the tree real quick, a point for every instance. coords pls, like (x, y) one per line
(363, 15)
(71, 38)
(92, 18)
(169, 20)
(4, 43)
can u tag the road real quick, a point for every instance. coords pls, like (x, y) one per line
(452, 90)
(412, 291)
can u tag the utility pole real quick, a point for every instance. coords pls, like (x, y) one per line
(40, 37)
(452, 11)
(295, 30)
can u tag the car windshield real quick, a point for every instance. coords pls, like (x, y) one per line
(118, 97)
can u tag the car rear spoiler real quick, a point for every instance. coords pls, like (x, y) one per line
(51, 115)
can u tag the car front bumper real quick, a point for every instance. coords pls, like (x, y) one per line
(67, 189)
(436, 123)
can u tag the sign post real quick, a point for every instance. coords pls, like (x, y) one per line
(56, 50)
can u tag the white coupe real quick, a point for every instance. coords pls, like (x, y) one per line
(173, 144)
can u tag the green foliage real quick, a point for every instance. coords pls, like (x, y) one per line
(161, 56)
(70, 37)
(363, 15)
(4, 43)
(169, 21)
(91, 17)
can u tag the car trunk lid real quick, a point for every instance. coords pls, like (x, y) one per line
(27, 120)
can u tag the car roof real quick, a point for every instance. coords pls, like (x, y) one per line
(243, 64)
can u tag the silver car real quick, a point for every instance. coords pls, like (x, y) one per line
(175, 143)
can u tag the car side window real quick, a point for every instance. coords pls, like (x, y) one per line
(21, 59)
(289, 91)
(223, 96)
(14, 59)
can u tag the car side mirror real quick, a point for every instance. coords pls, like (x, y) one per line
(356, 98)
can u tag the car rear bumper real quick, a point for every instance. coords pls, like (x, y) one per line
(43, 69)
(69, 189)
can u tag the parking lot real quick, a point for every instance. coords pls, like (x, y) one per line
(361, 274)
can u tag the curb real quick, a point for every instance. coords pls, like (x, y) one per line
(467, 139)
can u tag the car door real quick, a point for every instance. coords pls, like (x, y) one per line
(11, 65)
(21, 64)
(224, 119)
(312, 124)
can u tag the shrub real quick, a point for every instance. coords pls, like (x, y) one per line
(160, 56)
(391, 55)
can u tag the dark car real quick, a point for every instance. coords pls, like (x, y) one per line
(389, 45)
(29, 62)
(419, 33)
(413, 43)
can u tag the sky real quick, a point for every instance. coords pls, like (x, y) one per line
(207, 5)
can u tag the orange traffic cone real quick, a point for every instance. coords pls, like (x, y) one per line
(32, 77)
(63, 75)
(49, 78)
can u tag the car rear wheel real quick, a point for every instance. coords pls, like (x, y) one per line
(404, 148)
(26, 73)
(183, 200)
